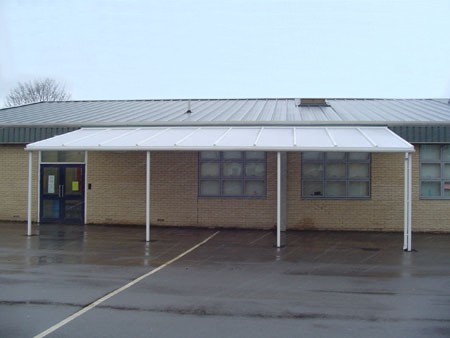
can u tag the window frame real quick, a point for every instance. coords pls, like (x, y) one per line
(325, 162)
(242, 178)
(61, 157)
(441, 179)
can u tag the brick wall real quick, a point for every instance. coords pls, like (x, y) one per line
(174, 188)
(14, 183)
(383, 211)
(243, 212)
(118, 195)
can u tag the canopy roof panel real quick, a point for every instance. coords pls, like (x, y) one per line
(364, 139)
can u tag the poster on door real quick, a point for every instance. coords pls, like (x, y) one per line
(51, 184)
(75, 186)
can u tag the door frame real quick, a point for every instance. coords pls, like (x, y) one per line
(61, 169)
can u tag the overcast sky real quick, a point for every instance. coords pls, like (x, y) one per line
(137, 49)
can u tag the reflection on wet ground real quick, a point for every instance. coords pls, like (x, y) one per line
(74, 244)
(320, 284)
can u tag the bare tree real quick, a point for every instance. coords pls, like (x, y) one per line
(36, 91)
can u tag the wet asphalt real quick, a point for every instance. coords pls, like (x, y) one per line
(321, 284)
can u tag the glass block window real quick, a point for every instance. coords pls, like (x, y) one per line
(232, 174)
(435, 171)
(335, 175)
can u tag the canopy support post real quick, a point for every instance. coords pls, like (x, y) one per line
(281, 197)
(30, 187)
(409, 202)
(278, 199)
(147, 200)
(407, 236)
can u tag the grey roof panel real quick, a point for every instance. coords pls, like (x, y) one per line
(24, 135)
(423, 134)
(230, 111)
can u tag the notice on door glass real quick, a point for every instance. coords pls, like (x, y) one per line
(51, 184)
(75, 186)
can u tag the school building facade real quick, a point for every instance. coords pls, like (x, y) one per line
(306, 164)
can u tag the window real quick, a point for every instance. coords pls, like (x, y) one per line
(435, 171)
(232, 174)
(63, 156)
(335, 175)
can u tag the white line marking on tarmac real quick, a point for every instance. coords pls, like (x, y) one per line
(119, 290)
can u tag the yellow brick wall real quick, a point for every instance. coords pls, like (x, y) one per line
(383, 211)
(118, 195)
(14, 183)
(174, 188)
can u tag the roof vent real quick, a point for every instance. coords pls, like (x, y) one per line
(188, 111)
(313, 103)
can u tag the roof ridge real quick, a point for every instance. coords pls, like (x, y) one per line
(241, 99)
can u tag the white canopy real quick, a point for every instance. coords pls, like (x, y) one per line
(344, 139)
(279, 139)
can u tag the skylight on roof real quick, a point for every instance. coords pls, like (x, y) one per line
(308, 102)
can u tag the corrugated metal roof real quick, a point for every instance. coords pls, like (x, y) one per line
(229, 112)
(22, 135)
(423, 134)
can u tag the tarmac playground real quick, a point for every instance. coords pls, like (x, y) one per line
(106, 281)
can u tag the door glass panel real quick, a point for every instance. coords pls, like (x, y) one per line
(62, 193)
(73, 209)
(51, 181)
(50, 209)
(73, 181)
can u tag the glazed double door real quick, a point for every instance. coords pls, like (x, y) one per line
(62, 193)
